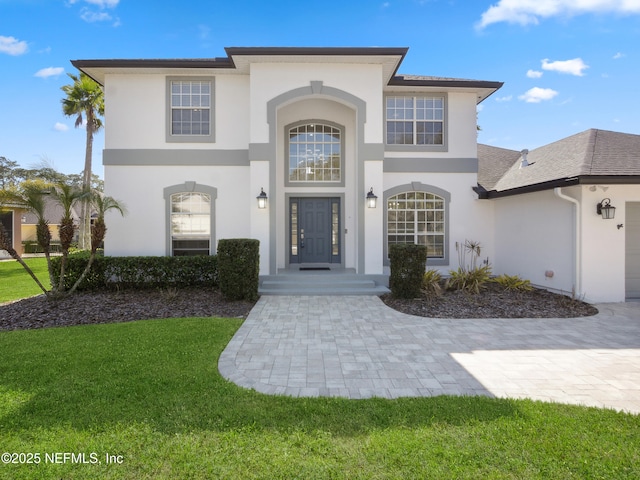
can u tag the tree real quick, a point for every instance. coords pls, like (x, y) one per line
(31, 196)
(67, 196)
(85, 100)
(8, 174)
(102, 205)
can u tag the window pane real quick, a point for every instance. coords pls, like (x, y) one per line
(190, 102)
(417, 217)
(315, 153)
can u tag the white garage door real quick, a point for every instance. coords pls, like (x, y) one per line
(632, 228)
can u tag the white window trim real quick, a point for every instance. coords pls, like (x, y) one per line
(170, 138)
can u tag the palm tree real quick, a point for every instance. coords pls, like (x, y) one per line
(67, 196)
(102, 205)
(85, 100)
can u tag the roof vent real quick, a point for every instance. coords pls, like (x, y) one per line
(524, 163)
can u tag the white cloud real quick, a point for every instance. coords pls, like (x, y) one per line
(572, 67)
(537, 95)
(619, 55)
(525, 12)
(104, 3)
(97, 11)
(49, 72)
(90, 16)
(504, 99)
(13, 46)
(534, 74)
(60, 127)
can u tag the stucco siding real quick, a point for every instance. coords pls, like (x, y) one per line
(144, 230)
(469, 218)
(604, 244)
(136, 113)
(535, 239)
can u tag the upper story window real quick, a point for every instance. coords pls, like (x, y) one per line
(315, 153)
(415, 120)
(190, 109)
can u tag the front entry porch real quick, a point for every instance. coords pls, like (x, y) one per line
(322, 280)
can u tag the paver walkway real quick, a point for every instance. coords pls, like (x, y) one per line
(357, 347)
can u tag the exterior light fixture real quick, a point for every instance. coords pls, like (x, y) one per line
(605, 209)
(262, 199)
(372, 199)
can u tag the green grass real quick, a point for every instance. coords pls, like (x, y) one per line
(15, 282)
(150, 393)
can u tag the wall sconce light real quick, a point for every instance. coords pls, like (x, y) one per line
(23, 219)
(605, 209)
(262, 199)
(372, 199)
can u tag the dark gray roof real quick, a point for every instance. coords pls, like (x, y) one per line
(93, 67)
(586, 157)
(53, 212)
(493, 162)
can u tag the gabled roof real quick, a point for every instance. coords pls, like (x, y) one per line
(239, 59)
(592, 156)
(53, 213)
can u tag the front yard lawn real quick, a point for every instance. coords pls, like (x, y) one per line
(145, 400)
(15, 282)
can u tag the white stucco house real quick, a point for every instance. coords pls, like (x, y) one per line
(190, 145)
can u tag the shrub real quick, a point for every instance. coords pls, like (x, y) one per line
(140, 272)
(239, 268)
(431, 281)
(407, 262)
(471, 281)
(513, 282)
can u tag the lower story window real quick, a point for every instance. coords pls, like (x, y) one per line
(417, 218)
(190, 224)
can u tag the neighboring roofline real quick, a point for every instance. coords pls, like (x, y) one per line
(561, 182)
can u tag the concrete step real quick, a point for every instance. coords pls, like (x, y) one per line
(317, 283)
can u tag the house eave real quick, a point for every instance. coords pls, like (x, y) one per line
(563, 182)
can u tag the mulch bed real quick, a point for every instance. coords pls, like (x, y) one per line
(118, 306)
(493, 302)
(124, 306)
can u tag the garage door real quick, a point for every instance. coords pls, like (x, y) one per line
(632, 229)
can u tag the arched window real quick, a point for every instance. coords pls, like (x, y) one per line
(314, 153)
(190, 224)
(418, 218)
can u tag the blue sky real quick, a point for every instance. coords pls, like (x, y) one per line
(567, 65)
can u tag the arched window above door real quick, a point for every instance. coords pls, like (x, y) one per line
(315, 153)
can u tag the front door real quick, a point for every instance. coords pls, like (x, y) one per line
(314, 230)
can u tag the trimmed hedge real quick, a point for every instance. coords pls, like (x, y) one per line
(408, 263)
(140, 272)
(239, 268)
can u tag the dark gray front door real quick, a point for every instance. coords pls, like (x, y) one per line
(314, 227)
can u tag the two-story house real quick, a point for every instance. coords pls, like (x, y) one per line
(191, 144)
(328, 156)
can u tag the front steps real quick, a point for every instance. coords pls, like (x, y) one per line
(322, 282)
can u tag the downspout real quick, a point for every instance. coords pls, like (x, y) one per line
(578, 239)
